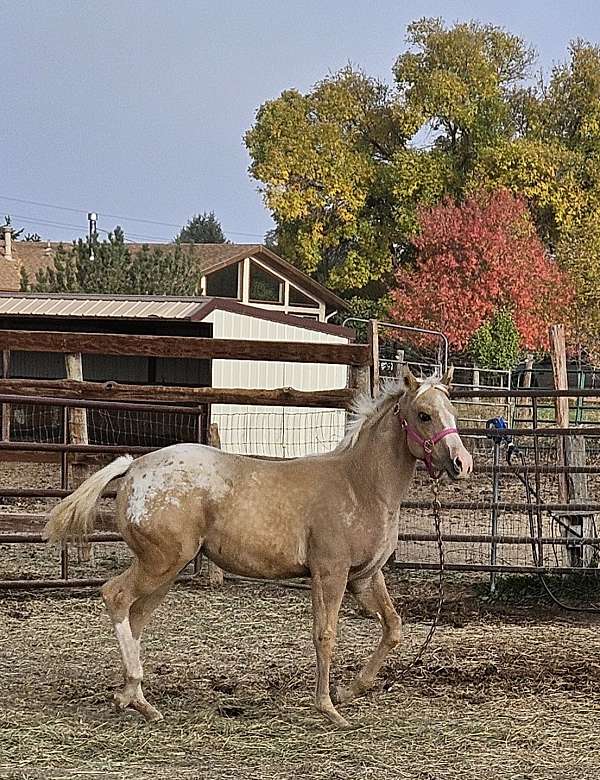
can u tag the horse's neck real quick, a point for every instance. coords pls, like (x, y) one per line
(382, 461)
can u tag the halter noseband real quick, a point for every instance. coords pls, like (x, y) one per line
(427, 444)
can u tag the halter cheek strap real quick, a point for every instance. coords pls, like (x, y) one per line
(427, 444)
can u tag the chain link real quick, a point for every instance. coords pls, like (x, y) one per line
(437, 520)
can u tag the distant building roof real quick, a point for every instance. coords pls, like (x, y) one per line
(145, 307)
(35, 255)
(99, 306)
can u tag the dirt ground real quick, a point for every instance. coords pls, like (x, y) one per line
(502, 693)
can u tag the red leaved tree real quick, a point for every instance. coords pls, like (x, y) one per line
(475, 258)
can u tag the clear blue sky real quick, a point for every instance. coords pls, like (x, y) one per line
(137, 109)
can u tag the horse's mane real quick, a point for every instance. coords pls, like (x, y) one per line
(367, 410)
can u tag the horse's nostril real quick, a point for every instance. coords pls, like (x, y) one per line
(457, 465)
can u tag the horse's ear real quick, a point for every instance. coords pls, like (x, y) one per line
(447, 378)
(409, 380)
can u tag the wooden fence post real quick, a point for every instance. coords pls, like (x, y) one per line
(5, 407)
(359, 376)
(558, 353)
(373, 334)
(580, 523)
(399, 363)
(215, 573)
(525, 385)
(78, 434)
(476, 380)
(572, 488)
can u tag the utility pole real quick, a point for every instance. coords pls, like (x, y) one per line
(92, 219)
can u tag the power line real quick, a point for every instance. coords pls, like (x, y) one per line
(116, 216)
(52, 223)
(49, 223)
(46, 205)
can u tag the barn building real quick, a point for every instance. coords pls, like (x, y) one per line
(248, 273)
(247, 429)
(247, 292)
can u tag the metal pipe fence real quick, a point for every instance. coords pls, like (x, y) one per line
(11, 530)
(525, 510)
(494, 523)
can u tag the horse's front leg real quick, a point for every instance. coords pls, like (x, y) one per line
(327, 593)
(375, 596)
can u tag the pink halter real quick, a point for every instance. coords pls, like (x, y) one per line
(427, 444)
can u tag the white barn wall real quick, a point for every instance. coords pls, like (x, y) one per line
(268, 430)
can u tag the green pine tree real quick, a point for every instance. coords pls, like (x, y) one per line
(202, 229)
(115, 270)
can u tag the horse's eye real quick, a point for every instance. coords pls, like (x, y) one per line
(424, 417)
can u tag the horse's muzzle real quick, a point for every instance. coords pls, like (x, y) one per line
(460, 465)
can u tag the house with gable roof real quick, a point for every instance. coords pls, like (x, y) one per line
(250, 274)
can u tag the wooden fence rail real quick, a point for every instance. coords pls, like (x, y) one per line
(184, 347)
(40, 391)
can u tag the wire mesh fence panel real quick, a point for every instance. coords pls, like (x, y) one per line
(280, 433)
(143, 428)
(269, 431)
(36, 423)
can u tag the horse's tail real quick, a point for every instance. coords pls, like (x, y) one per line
(73, 518)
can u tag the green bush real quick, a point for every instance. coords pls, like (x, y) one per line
(496, 343)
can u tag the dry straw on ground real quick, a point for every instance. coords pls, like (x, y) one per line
(233, 672)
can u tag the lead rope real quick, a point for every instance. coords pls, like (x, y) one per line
(437, 520)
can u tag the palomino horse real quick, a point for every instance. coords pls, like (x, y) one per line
(333, 517)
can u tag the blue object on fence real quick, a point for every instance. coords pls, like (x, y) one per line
(496, 426)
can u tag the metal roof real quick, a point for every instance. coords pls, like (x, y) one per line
(118, 306)
(145, 307)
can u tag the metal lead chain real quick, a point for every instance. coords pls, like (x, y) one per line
(437, 520)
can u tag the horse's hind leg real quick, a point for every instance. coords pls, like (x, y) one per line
(140, 613)
(131, 598)
(375, 597)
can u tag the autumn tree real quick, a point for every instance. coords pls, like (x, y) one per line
(464, 83)
(477, 259)
(115, 270)
(579, 256)
(555, 161)
(337, 167)
(571, 118)
(322, 159)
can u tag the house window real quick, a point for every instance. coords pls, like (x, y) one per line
(299, 299)
(264, 287)
(224, 283)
